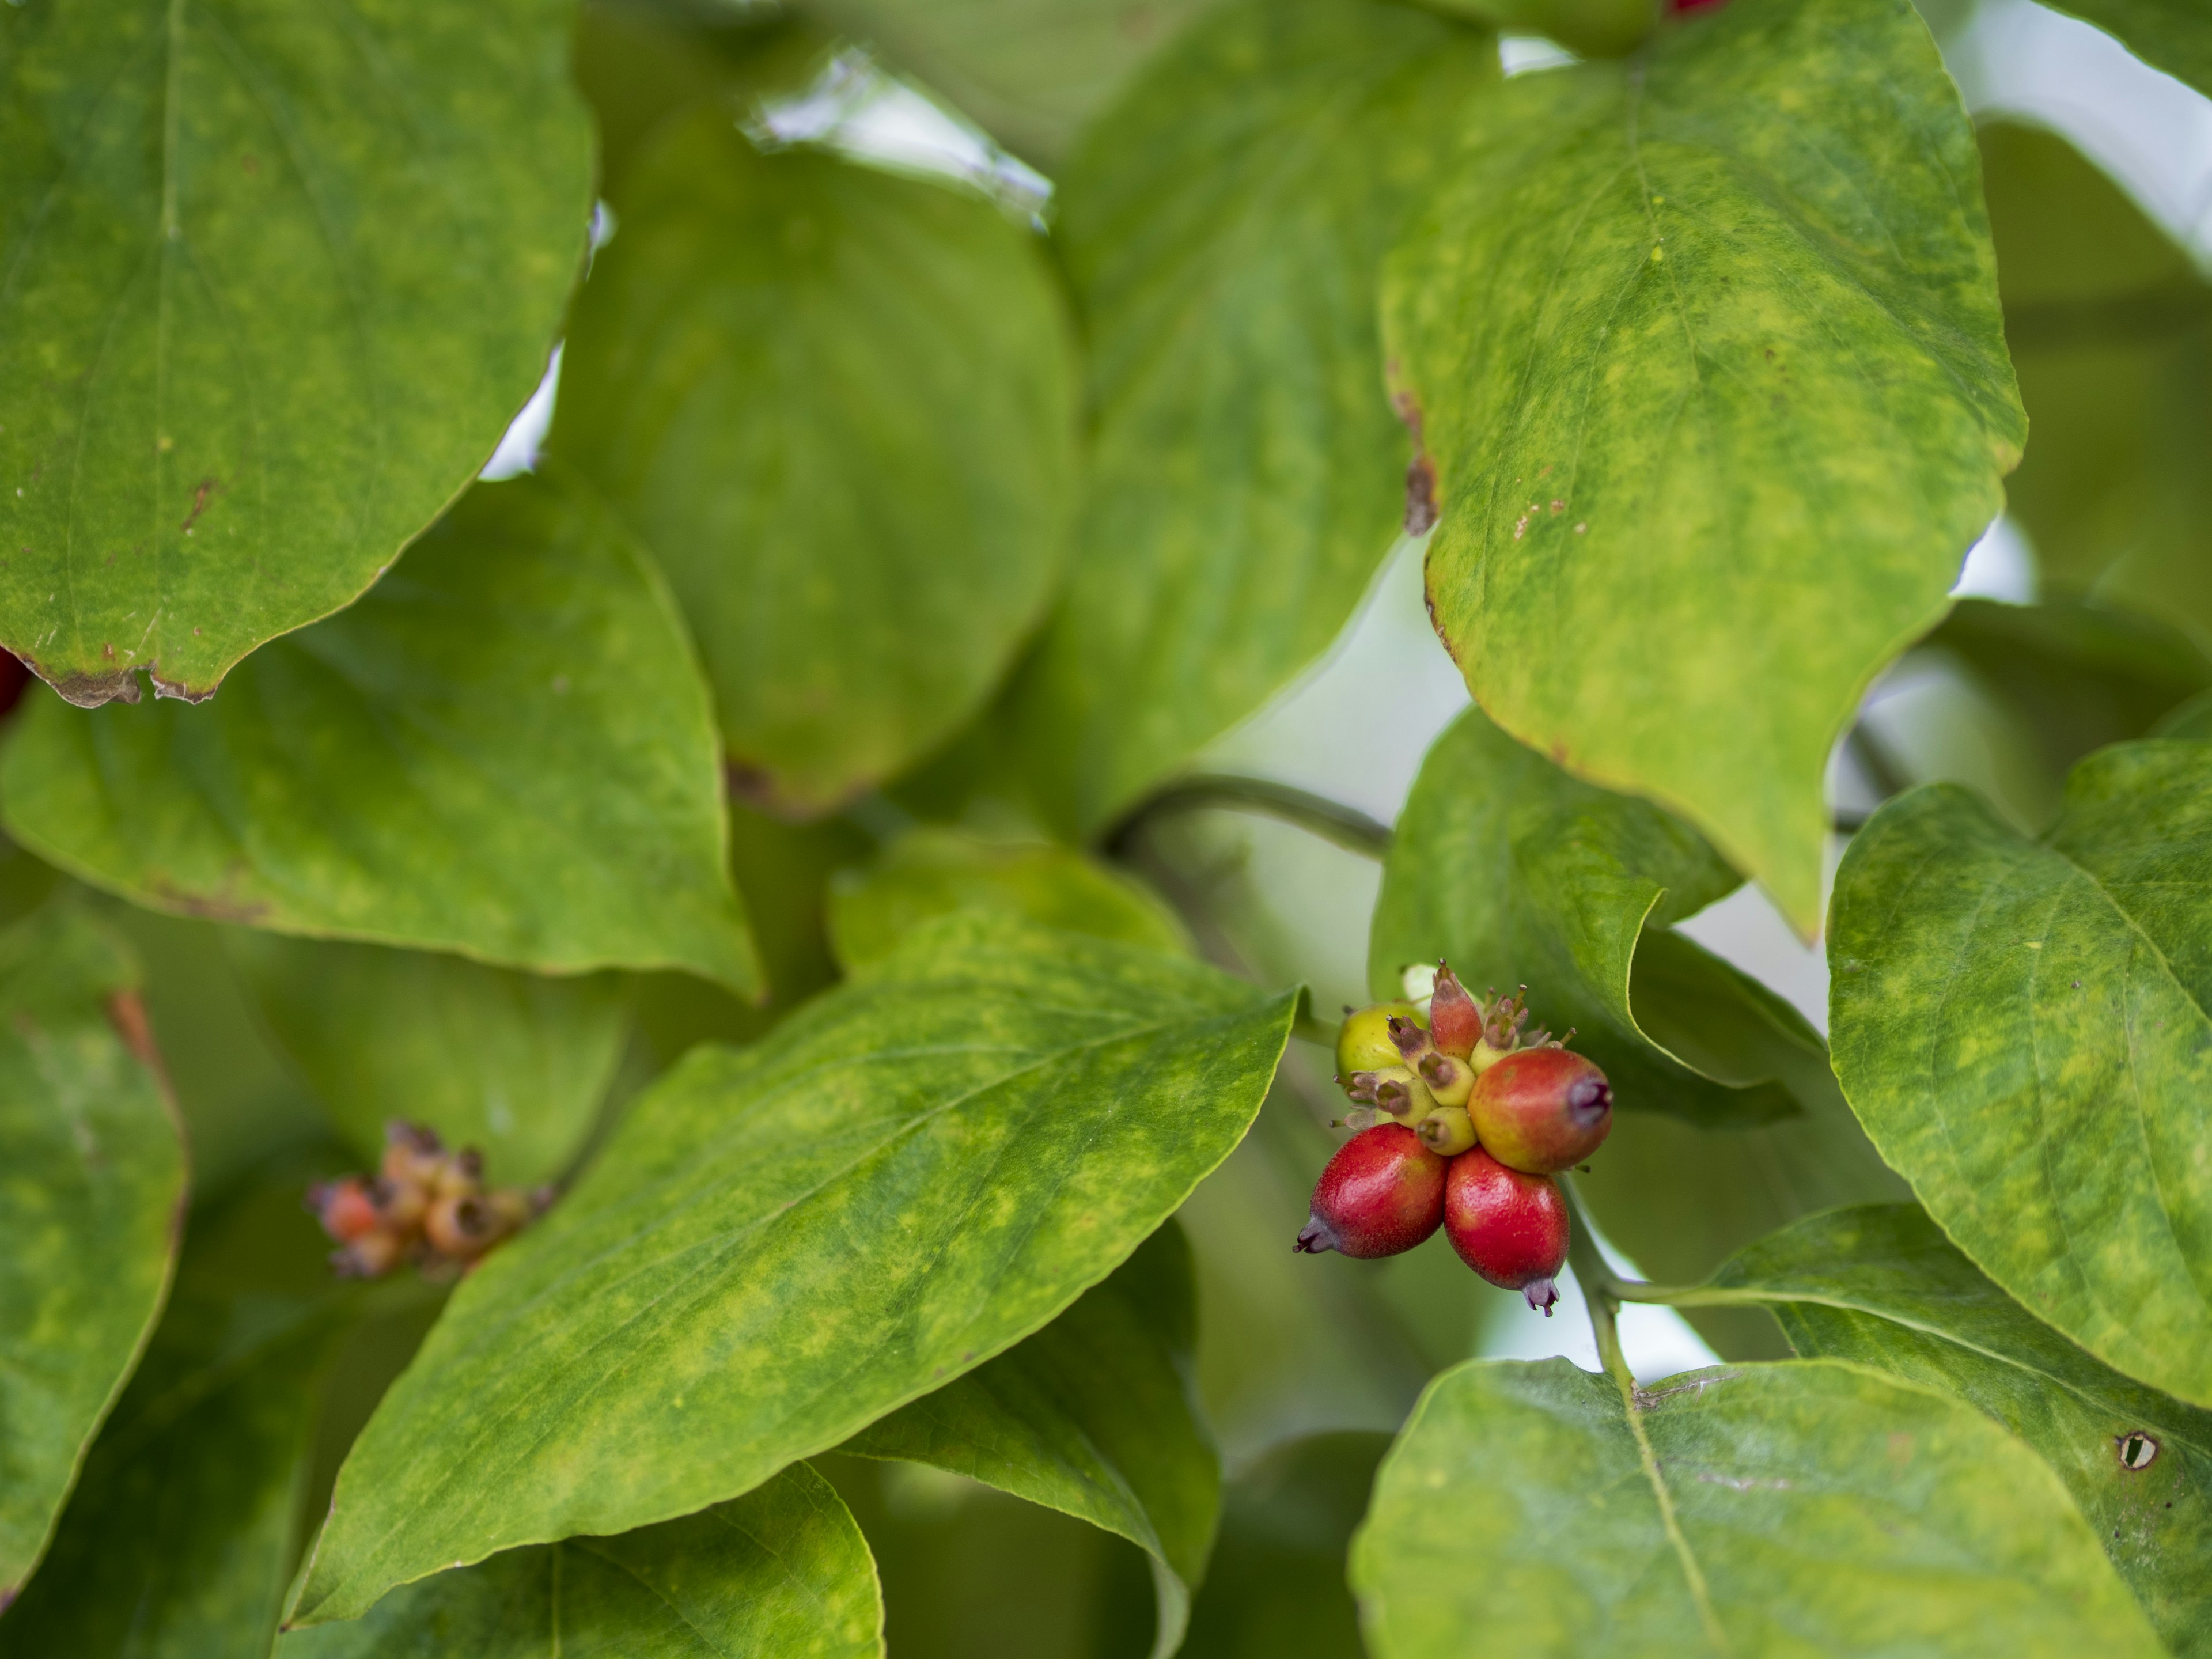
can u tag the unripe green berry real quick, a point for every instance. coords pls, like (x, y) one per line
(1450, 1081)
(1365, 1043)
(1447, 1132)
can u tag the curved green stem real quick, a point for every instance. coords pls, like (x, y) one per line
(1332, 821)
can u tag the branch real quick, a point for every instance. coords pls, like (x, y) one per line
(1332, 821)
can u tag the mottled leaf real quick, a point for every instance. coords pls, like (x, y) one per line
(2173, 35)
(181, 1536)
(1031, 71)
(840, 407)
(504, 751)
(1707, 350)
(1520, 873)
(1247, 474)
(1277, 1584)
(1881, 1285)
(1094, 1416)
(279, 275)
(2110, 322)
(1809, 1507)
(780, 1573)
(513, 1064)
(780, 1244)
(2025, 1028)
(930, 872)
(91, 1182)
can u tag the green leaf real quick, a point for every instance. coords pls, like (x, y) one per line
(1031, 71)
(931, 871)
(1799, 1508)
(504, 750)
(1879, 1285)
(2172, 35)
(92, 1186)
(1247, 474)
(1277, 1584)
(2023, 1027)
(780, 1245)
(2191, 721)
(2078, 675)
(1095, 1416)
(511, 1063)
(780, 1573)
(278, 279)
(181, 1536)
(1707, 351)
(840, 407)
(1519, 874)
(2111, 325)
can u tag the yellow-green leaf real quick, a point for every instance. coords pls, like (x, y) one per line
(1247, 475)
(1707, 348)
(780, 1244)
(2025, 1028)
(505, 749)
(279, 275)
(92, 1183)
(1807, 1507)
(840, 407)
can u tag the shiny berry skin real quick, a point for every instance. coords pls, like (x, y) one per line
(1365, 1043)
(1541, 1110)
(1382, 1193)
(1511, 1228)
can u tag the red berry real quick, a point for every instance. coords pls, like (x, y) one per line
(1454, 1017)
(346, 1208)
(1382, 1193)
(1511, 1228)
(1541, 1109)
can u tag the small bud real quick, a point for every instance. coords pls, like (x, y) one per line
(370, 1256)
(1447, 1132)
(346, 1207)
(1393, 1091)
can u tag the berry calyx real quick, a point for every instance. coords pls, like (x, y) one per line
(1365, 1043)
(1510, 1227)
(1540, 1110)
(1392, 1093)
(1382, 1193)
(1447, 1132)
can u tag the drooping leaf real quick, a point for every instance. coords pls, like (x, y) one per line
(1807, 1507)
(1095, 1416)
(839, 405)
(780, 1573)
(513, 1064)
(1030, 71)
(1881, 1285)
(2078, 675)
(1519, 875)
(279, 277)
(781, 1244)
(2173, 35)
(504, 750)
(930, 872)
(1247, 474)
(180, 1537)
(2111, 325)
(1707, 352)
(92, 1183)
(2025, 1028)
(1277, 1583)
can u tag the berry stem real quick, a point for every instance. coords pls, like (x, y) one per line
(1346, 826)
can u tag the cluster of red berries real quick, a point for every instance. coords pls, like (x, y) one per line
(1470, 1120)
(427, 1206)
